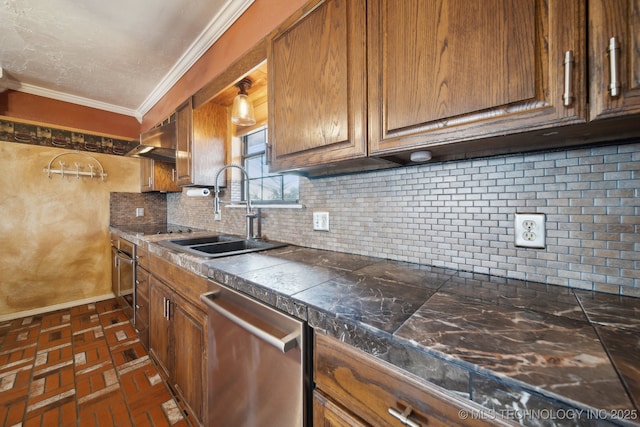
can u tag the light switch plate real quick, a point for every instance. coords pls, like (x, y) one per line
(530, 230)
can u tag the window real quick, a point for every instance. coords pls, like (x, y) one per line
(265, 187)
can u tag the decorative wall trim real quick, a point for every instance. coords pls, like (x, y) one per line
(45, 135)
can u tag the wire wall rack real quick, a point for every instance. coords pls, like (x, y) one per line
(92, 168)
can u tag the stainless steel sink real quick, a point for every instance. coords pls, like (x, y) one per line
(201, 240)
(218, 245)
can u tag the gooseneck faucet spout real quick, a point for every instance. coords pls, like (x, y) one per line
(216, 199)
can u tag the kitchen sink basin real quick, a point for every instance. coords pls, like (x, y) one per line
(202, 240)
(218, 245)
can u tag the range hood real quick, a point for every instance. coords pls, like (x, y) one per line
(157, 144)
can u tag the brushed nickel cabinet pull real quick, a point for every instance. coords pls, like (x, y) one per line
(567, 96)
(268, 154)
(612, 50)
(404, 416)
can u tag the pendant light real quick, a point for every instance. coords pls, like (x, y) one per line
(242, 111)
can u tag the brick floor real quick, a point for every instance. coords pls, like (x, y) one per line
(83, 366)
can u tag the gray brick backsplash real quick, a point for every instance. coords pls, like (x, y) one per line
(460, 215)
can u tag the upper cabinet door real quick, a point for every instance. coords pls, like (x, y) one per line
(201, 141)
(614, 70)
(452, 70)
(317, 86)
(184, 138)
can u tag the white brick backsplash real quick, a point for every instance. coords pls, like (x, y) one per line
(460, 215)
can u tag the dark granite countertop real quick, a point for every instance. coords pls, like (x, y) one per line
(536, 354)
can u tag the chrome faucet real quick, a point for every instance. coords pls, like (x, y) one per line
(216, 199)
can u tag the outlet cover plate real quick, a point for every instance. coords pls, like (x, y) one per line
(321, 221)
(530, 230)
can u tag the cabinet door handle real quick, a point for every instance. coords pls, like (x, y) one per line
(612, 50)
(404, 416)
(567, 96)
(268, 154)
(173, 175)
(168, 303)
(164, 307)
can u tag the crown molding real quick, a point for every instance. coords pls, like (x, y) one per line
(73, 99)
(228, 14)
(220, 23)
(6, 82)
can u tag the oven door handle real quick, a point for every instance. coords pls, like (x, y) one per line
(124, 257)
(284, 344)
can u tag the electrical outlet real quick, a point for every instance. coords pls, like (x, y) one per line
(139, 212)
(321, 221)
(530, 230)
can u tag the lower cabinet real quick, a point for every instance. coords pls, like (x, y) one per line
(142, 305)
(356, 389)
(178, 333)
(327, 413)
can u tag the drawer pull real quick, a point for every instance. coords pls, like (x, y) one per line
(404, 416)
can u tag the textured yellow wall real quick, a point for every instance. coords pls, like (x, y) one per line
(54, 232)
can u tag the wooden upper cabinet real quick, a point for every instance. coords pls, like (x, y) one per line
(157, 176)
(146, 175)
(201, 141)
(317, 86)
(452, 70)
(619, 19)
(184, 135)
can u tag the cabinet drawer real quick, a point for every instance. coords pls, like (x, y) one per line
(142, 256)
(371, 388)
(189, 285)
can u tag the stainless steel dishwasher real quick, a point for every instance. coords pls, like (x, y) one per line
(256, 363)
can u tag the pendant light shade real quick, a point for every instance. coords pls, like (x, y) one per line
(242, 110)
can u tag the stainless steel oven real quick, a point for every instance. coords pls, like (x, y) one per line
(123, 274)
(257, 367)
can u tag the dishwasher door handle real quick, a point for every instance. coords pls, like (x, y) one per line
(284, 344)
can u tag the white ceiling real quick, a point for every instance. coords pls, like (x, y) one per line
(115, 55)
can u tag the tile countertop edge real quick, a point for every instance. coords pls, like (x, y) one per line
(394, 349)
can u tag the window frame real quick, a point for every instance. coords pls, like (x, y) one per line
(245, 156)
